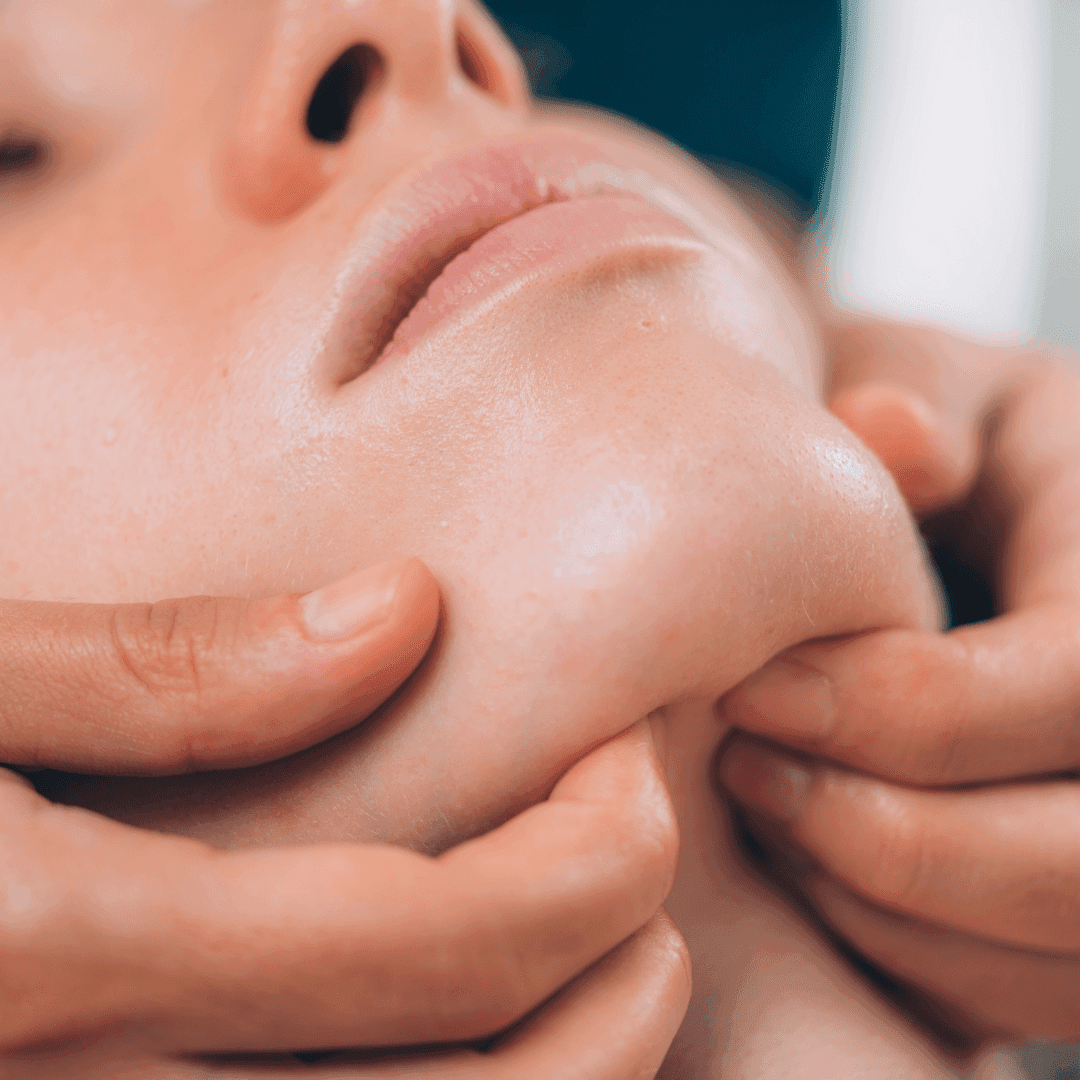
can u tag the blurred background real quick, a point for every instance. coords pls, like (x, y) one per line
(1060, 308)
(936, 141)
(932, 146)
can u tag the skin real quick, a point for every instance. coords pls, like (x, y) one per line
(623, 479)
(971, 786)
(113, 937)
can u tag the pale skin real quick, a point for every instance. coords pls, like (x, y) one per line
(978, 904)
(109, 929)
(622, 477)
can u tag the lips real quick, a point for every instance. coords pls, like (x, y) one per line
(544, 243)
(478, 226)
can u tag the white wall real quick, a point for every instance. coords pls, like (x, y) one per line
(1060, 317)
(935, 211)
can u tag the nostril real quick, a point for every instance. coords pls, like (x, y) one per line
(21, 153)
(471, 62)
(334, 98)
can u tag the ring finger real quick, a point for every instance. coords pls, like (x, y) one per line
(1004, 990)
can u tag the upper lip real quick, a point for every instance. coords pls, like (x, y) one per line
(423, 222)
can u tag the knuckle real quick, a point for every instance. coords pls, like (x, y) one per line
(168, 655)
(888, 668)
(481, 986)
(944, 705)
(658, 841)
(166, 649)
(896, 876)
(649, 831)
(36, 913)
(644, 845)
(898, 677)
(674, 956)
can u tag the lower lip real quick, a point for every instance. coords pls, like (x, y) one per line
(541, 245)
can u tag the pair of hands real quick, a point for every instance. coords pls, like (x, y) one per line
(929, 785)
(124, 949)
(933, 782)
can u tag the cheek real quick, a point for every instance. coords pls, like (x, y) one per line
(150, 433)
(620, 516)
(138, 478)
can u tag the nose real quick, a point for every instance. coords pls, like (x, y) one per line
(334, 76)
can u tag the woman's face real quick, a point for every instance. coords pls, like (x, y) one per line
(220, 371)
(600, 427)
(195, 295)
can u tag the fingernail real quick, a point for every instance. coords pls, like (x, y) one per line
(765, 781)
(789, 699)
(354, 604)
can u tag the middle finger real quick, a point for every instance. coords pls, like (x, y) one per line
(999, 862)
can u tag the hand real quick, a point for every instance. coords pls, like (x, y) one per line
(951, 858)
(128, 952)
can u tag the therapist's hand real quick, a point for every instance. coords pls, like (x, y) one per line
(945, 830)
(127, 952)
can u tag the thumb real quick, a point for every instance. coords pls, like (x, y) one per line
(206, 682)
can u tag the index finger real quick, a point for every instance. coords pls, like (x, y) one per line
(206, 682)
(991, 701)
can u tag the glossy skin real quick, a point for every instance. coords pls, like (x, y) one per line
(972, 788)
(622, 475)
